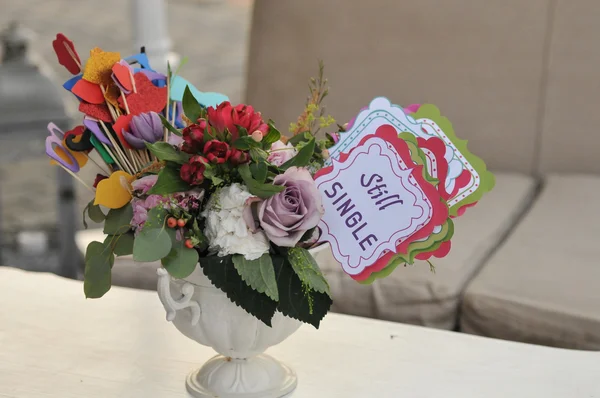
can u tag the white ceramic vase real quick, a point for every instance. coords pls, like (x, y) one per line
(241, 370)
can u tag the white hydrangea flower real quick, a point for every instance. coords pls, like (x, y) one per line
(226, 230)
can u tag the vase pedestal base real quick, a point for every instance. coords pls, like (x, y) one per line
(261, 376)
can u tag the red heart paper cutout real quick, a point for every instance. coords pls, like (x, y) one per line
(148, 98)
(123, 75)
(121, 124)
(89, 92)
(99, 112)
(66, 54)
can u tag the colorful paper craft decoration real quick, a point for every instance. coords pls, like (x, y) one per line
(448, 177)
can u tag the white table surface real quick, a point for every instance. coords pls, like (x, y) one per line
(55, 343)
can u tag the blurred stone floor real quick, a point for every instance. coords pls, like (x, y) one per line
(212, 34)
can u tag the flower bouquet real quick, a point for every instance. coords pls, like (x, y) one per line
(236, 212)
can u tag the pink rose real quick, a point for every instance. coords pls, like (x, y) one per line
(286, 216)
(145, 183)
(281, 153)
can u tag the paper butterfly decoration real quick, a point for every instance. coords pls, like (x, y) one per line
(390, 165)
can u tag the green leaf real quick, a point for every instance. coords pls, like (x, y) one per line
(245, 143)
(211, 174)
(85, 211)
(307, 269)
(295, 300)
(258, 274)
(259, 171)
(272, 136)
(168, 182)
(258, 154)
(156, 218)
(222, 273)
(99, 260)
(256, 188)
(152, 244)
(121, 245)
(191, 108)
(169, 126)
(298, 138)
(167, 152)
(302, 158)
(118, 221)
(242, 132)
(181, 261)
(95, 213)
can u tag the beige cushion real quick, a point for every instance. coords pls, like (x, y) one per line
(415, 295)
(570, 139)
(480, 62)
(543, 285)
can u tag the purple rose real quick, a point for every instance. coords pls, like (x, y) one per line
(286, 216)
(281, 153)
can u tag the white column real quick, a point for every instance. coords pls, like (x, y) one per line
(150, 30)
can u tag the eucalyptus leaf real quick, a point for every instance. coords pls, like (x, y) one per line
(191, 107)
(307, 269)
(181, 261)
(168, 182)
(258, 274)
(95, 213)
(155, 218)
(99, 260)
(167, 152)
(169, 126)
(257, 188)
(303, 157)
(118, 221)
(151, 244)
(121, 245)
(222, 273)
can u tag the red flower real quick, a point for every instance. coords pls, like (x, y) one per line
(193, 137)
(216, 151)
(238, 157)
(192, 172)
(99, 177)
(225, 116)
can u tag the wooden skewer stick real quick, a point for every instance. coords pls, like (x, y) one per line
(72, 54)
(132, 81)
(125, 102)
(112, 155)
(124, 159)
(112, 111)
(77, 178)
(96, 163)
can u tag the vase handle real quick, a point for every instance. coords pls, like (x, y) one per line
(172, 305)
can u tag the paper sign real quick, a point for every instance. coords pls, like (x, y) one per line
(365, 190)
(466, 177)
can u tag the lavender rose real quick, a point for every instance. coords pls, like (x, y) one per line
(286, 216)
